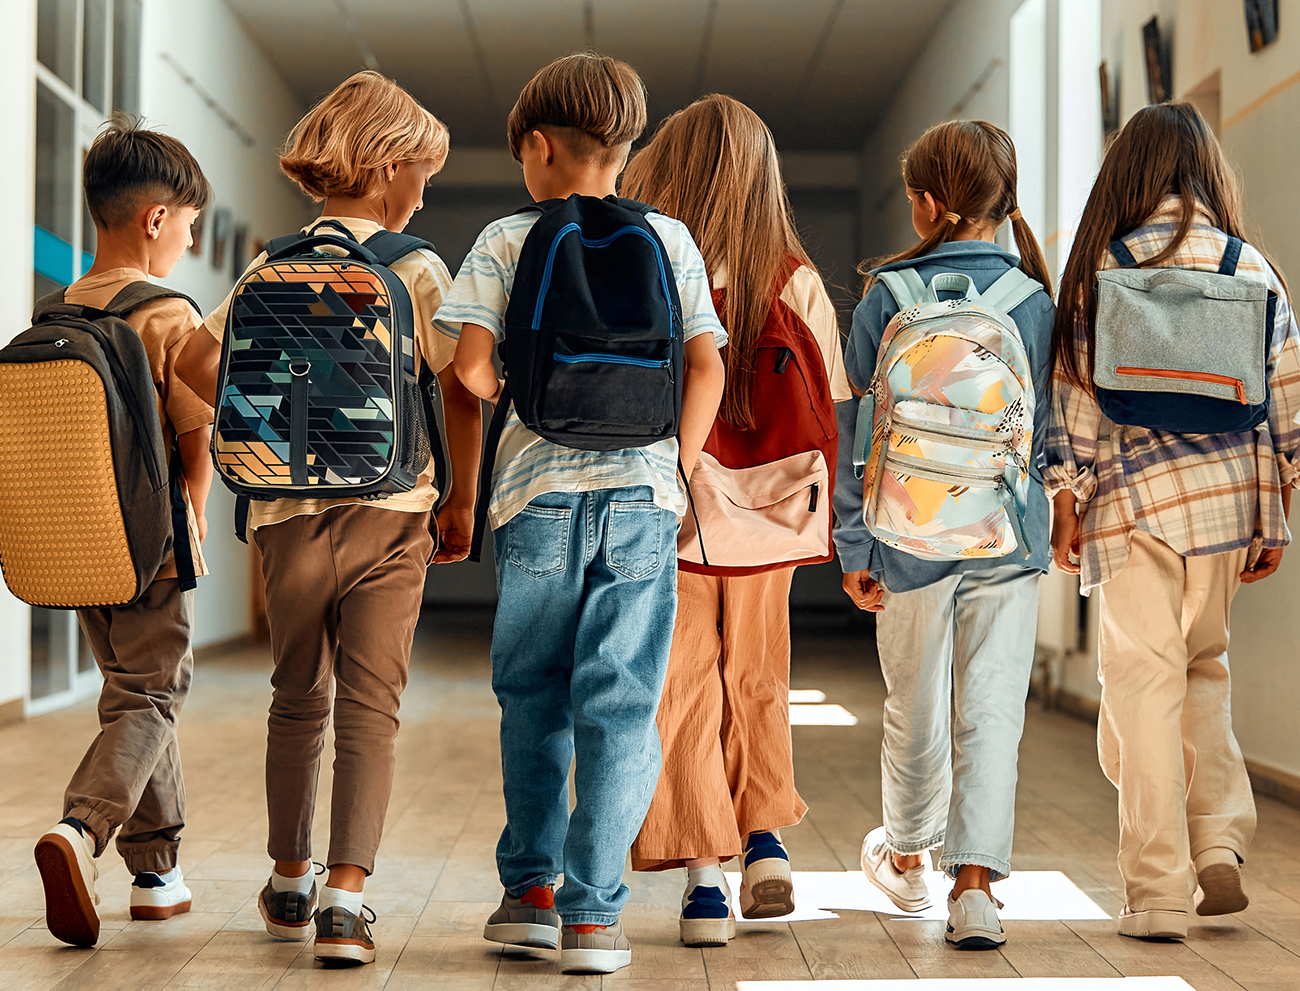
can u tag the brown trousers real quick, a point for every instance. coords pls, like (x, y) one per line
(724, 722)
(343, 593)
(131, 775)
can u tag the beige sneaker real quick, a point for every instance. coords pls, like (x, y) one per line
(530, 920)
(65, 856)
(1154, 924)
(1219, 877)
(907, 889)
(588, 949)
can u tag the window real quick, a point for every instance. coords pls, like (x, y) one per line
(87, 65)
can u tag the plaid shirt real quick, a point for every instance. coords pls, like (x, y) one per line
(1199, 493)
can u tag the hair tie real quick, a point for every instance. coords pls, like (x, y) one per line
(952, 218)
(1014, 215)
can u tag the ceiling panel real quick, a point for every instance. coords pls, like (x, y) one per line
(819, 71)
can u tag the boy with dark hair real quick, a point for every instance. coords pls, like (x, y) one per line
(586, 540)
(143, 190)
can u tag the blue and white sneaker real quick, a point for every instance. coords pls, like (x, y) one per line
(707, 919)
(159, 896)
(766, 887)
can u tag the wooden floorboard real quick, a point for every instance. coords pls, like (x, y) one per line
(435, 879)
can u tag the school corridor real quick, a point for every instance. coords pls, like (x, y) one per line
(845, 86)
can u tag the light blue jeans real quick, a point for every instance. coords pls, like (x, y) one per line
(587, 585)
(956, 657)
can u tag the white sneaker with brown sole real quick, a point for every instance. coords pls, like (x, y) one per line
(154, 898)
(65, 856)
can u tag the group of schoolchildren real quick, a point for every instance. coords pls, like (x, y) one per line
(964, 402)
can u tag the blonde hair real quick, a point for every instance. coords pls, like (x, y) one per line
(367, 122)
(594, 104)
(714, 167)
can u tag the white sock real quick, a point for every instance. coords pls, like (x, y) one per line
(169, 876)
(349, 901)
(710, 877)
(302, 885)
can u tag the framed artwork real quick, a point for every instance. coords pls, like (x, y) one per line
(222, 227)
(1109, 101)
(239, 249)
(1160, 83)
(196, 229)
(1261, 23)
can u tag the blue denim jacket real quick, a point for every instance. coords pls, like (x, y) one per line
(858, 550)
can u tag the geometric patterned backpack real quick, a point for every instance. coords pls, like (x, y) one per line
(945, 432)
(317, 392)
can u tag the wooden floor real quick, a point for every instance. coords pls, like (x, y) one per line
(435, 881)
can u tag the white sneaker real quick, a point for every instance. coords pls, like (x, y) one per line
(766, 884)
(65, 856)
(154, 898)
(1154, 924)
(973, 921)
(907, 889)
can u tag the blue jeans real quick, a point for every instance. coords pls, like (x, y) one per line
(960, 650)
(587, 585)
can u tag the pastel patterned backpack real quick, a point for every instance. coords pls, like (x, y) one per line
(945, 432)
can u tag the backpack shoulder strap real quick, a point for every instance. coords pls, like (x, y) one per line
(138, 293)
(53, 300)
(636, 206)
(1011, 289)
(906, 286)
(1231, 253)
(390, 247)
(1122, 255)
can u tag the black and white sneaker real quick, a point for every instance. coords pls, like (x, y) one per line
(287, 914)
(973, 922)
(344, 939)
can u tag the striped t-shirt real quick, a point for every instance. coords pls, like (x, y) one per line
(526, 464)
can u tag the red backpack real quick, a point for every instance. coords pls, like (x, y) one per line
(749, 518)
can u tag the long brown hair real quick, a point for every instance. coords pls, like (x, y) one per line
(714, 167)
(1166, 149)
(970, 167)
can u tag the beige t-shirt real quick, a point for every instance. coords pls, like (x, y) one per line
(165, 325)
(805, 294)
(426, 278)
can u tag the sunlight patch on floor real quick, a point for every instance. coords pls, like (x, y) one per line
(982, 984)
(1028, 896)
(802, 696)
(821, 715)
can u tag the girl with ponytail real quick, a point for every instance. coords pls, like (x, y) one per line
(955, 637)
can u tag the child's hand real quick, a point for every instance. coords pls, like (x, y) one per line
(1269, 559)
(864, 590)
(1065, 534)
(455, 531)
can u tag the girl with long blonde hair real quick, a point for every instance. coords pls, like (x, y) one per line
(727, 785)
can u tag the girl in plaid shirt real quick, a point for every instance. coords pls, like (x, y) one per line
(1168, 526)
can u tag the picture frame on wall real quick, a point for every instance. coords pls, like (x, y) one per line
(1160, 83)
(196, 232)
(222, 227)
(239, 249)
(1261, 23)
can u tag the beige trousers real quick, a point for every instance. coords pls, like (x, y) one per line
(724, 722)
(131, 775)
(343, 594)
(1165, 731)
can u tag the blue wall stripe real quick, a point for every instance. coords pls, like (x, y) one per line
(54, 257)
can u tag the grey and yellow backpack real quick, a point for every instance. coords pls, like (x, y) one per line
(317, 395)
(90, 499)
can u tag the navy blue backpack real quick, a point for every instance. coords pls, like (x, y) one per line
(593, 350)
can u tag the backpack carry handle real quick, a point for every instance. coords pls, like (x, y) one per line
(953, 282)
(300, 246)
(334, 225)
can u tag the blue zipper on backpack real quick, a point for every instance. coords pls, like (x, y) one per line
(603, 242)
(609, 359)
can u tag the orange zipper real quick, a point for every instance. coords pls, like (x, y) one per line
(1168, 373)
